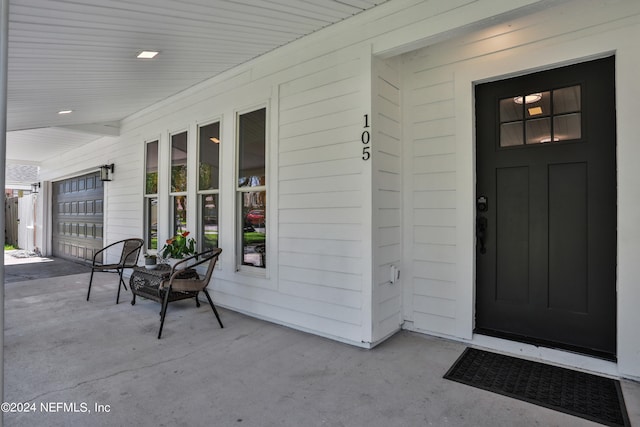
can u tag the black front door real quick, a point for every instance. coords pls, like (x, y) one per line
(546, 208)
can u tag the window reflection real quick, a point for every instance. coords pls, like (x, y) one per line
(152, 222)
(151, 185)
(252, 146)
(209, 215)
(179, 214)
(209, 155)
(251, 189)
(254, 235)
(541, 117)
(179, 162)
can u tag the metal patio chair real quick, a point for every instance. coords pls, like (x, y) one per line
(131, 249)
(175, 284)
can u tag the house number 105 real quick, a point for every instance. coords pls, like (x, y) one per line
(365, 138)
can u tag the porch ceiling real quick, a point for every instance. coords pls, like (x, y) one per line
(80, 55)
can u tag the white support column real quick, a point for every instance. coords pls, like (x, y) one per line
(4, 47)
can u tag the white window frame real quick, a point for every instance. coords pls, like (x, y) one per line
(147, 197)
(200, 193)
(239, 191)
(173, 194)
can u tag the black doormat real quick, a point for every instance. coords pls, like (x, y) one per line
(584, 395)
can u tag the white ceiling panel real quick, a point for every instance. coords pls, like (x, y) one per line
(81, 54)
(36, 145)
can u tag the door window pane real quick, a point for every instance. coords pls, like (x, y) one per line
(538, 105)
(566, 100)
(538, 131)
(568, 126)
(179, 162)
(209, 155)
(511, 134)
(510, 111)
(541, 117)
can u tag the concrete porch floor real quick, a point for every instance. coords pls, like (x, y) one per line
(61, 348)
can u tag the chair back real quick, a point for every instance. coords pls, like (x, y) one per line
(130, 252)
(213, 259)
(193, 285)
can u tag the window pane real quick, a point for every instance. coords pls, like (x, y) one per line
(254, 235)
(538, 131)
(151, 186)
(568, 126)
(251, 146)
(566, 100)
(534, 113)
(179, 214)
(151, 225)
(209, 169)
(538, 105)
(510, 111)
(179, 162)
(209, 230)
(511, 134)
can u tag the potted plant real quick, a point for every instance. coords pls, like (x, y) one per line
(150, 261)
(177, 248)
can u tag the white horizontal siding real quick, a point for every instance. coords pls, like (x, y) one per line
(122, 196)
(440, 183)
(328, 210)
(321, 205)
(387, 197)
(430, 116)
(328, 319)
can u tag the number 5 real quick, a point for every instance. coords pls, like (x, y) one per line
(366, 155)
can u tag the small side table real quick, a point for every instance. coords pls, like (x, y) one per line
(146, 283)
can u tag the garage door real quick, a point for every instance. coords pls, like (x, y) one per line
(78, 217)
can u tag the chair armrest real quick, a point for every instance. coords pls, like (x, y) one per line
(206, 256)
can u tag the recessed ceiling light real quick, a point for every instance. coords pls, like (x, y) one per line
(529, 99)
(147, 54)
(555, 139)
(65, 111)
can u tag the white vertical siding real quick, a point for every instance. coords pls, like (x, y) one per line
(387, 197)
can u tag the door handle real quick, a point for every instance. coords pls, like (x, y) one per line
(481, 233)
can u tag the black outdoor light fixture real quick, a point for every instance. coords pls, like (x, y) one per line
(106, 172)
(35, 187)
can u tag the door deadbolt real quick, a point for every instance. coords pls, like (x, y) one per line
(481, 204)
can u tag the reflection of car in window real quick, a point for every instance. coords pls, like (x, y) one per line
(255, 217)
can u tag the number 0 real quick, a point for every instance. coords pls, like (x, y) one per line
(365, 137)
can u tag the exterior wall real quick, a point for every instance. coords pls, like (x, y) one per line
(326, 267)
(387, 198)
(430, 210)
(121, 198)
(316, 91)
(439, 162)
